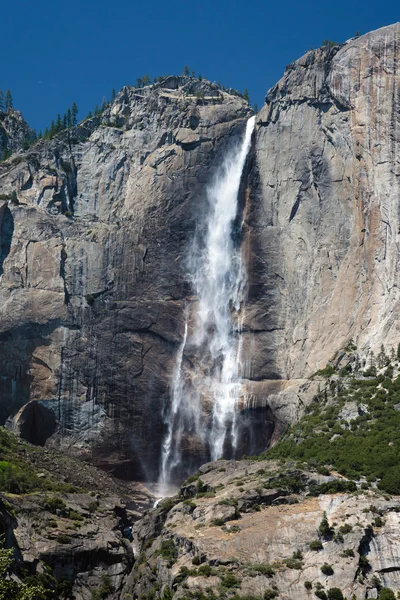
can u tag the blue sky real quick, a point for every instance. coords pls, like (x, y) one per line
(58, 52)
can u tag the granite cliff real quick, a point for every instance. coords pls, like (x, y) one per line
(96, 224)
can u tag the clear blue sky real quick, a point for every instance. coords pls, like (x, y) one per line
(58, 52)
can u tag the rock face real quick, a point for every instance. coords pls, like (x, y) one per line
(260, 532)
(14, 131)
(323, 217)
(92, 253)
(95, 227)
(34, 423)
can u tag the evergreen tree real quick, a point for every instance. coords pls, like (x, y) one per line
(246, 95)
(74, 113)
(40, 135)
(186, 71)
(46, 134)
(139, 82)
(65, 121)
(96, 110)
(255, 108)
(89, 116)
(113, 94)
(8, 101)
(69, 119)
(145, 80)
(58, 123)
(1, 100)
(52, 130)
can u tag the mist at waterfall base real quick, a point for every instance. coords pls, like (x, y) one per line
(202, 422)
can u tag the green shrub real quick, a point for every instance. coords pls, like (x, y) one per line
(335, 594)
(104, 590)
(55, 505)
(270, 594)
(324, 529)
(230, 581)
(386, 594)
(308, 585)
(316, 545)
(169, 552)
(62, 538)
(262, 569)
(348, 553)
(196, 560)
(293, 563)
(327, 569)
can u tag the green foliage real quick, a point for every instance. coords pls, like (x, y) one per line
(196, 560)
(104, 590)
(169, 552)
(368, 447)
(329, 43)
(55, 505)
(262, 569)
(63, 538)
(31, 587)
(348, 553)
(270, 594)
(325, 372)
(316, 545)
(230, 581)
(192, 479)
(386, 594)
(324, 529)
(308, 585)
(326, 569)
(293, 563)
(17, 475)
(335, 486)
(335, 594)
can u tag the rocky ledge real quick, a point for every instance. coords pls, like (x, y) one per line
(251, 530)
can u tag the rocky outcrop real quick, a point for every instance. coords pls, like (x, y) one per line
(14, 131)
(34, 423)
(322, 216)
(260, 530)
(94, 228)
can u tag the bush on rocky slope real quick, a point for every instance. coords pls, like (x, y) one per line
(353, 425)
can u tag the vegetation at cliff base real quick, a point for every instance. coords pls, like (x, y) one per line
(352, 425)
(17, 475)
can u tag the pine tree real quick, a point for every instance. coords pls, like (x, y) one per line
(8, 101)
(1, 100)
(58, 123)
(255, 108)
(74, 113)
(246, 95)
(52, 129)
(89, 116)
(96, 110)
(69, 119)
(139, 82)
(145, 80)
(40, 135)
(46, 134)
(65, 121)
(186, 71)
(113, 94)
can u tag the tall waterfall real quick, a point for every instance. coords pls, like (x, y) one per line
(204, 399)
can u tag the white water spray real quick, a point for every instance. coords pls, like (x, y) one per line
(217, 274)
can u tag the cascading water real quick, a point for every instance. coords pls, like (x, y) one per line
(216, 272)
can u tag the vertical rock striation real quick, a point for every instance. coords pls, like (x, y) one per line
(323, 214)
(92, 281)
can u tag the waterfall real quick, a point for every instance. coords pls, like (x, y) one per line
(203, 402)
